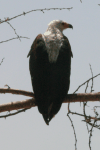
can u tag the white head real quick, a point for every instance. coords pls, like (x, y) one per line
(59, 24)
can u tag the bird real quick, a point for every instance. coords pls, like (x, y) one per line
(50, 68)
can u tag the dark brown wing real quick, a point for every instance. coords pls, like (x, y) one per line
(34, 45)
(38, 66)
(33, 56)
(68, 43)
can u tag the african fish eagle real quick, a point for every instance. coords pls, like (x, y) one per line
(50, 65)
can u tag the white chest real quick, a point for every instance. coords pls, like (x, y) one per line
(53, 44)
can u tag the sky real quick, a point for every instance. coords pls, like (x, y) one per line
(28, 130)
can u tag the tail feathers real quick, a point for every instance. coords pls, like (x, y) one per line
(47, 118)
(49, 113)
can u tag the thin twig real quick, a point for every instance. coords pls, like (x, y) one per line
(14, 30)
(42, 10)
(89, 118)
(86, 87)
(85, 82)
(73, 130)
(85, 116)
(12, 114)
(84, 105)
(7, 86)
(16, 91)
(96, 106)
(92, 79)
(14, 38)
(2, 61)
(91, 134)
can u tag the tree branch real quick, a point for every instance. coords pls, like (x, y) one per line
(80, 97)
(17, 105)
(24, 13)
(15, 113)
(73, 130)
(86, 82)
(14, 38)
(2, 61)
(14, 30)
(15, 91)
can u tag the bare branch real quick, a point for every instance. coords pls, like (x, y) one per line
(79, 97)
(84, 106)
(82, 97)
(85, 116)
(12, 114)
(89, 118)
(85, 103)
(73, 130)
(24, 13)
(18, 105)
(92, 79)
(86, 86)
(2, 61)
(96, 126)
(86, 82)
(31, 102)
(15, 91)
(14, 38)
(7, 86)
(91, 134)
(14, 30)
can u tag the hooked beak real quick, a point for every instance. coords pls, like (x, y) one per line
(66, 25)
(70, 26)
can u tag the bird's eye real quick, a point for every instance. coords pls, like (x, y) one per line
(63, 23)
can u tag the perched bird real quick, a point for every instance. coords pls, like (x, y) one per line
(50, 64)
